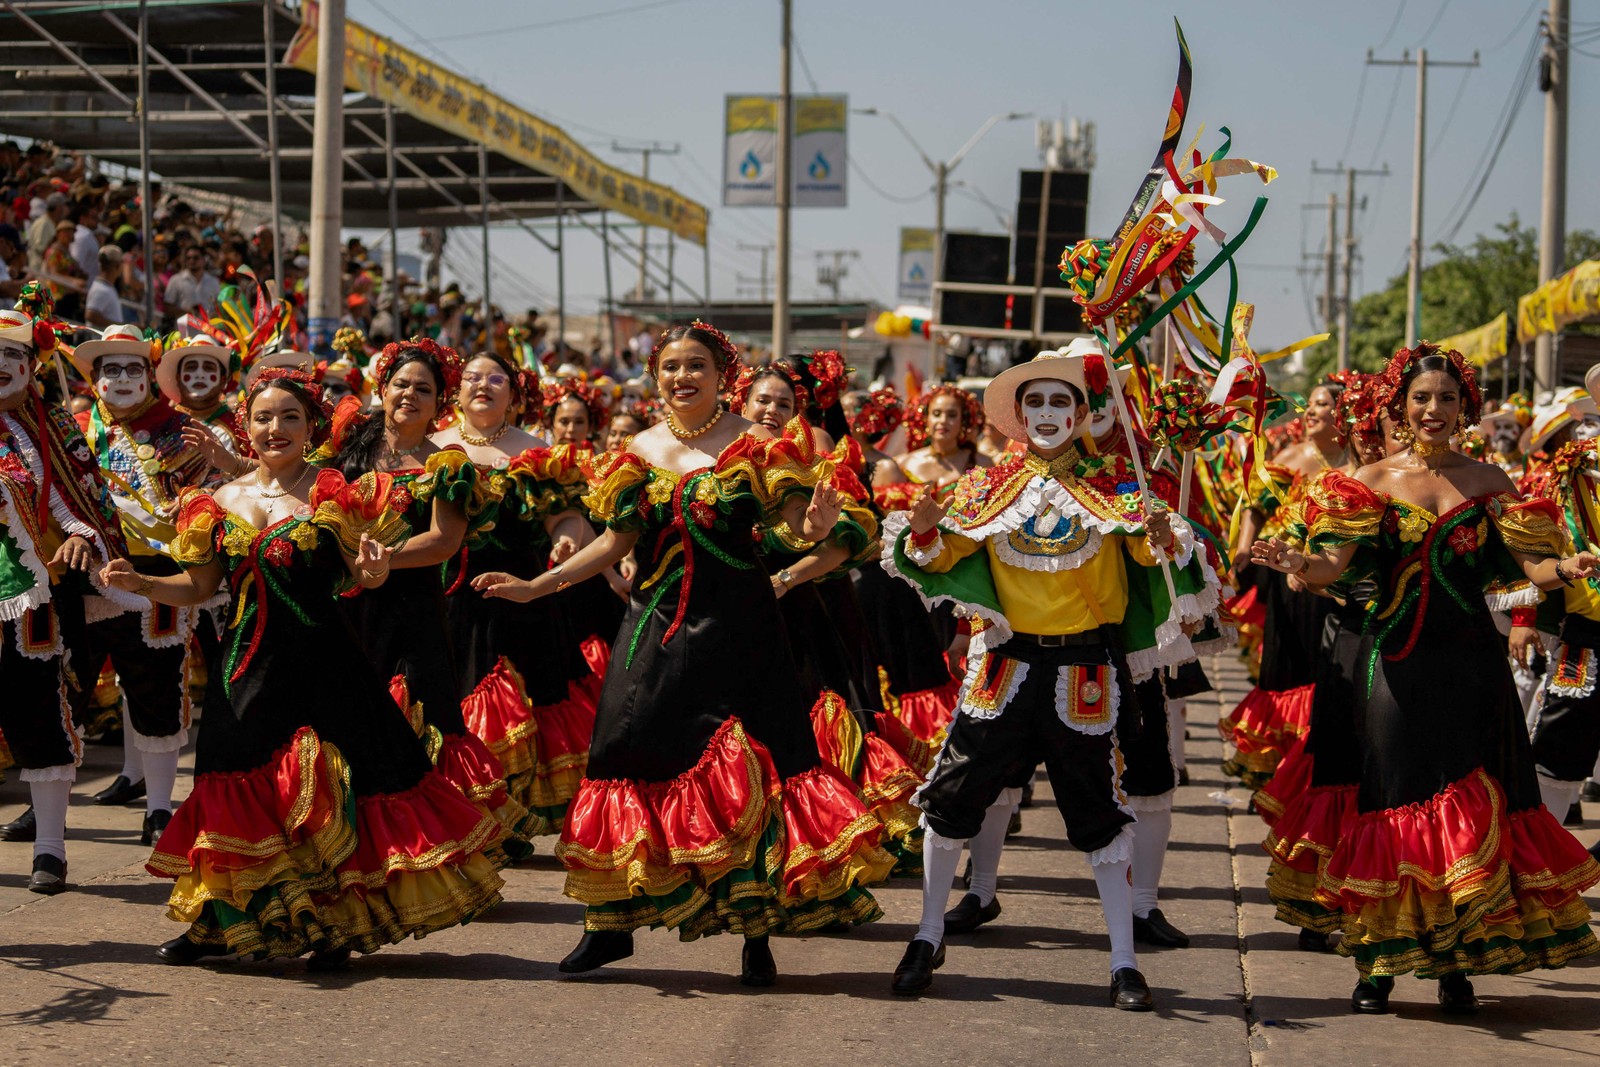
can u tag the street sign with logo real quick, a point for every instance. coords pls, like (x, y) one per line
(819, 150)
(817, 156)
(750, 152)
(916, 265)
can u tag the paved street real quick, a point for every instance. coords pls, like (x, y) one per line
(81, 984)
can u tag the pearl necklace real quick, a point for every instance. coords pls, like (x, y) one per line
(263, 493)
(685, 435)
(472, 439)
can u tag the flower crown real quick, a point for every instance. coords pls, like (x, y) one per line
(726, 354)
(972, 418)
(828, 368)
(1402, 363)
(448, 359)
(554, 393)
(739, 395)
(305, 385)
(880, 413)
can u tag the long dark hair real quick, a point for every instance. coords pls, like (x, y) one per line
(831, 418)
(362, 447)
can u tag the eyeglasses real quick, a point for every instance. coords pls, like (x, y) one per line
(111, 373)
(496, 380)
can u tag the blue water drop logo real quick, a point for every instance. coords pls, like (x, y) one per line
(819, 169)
(917, 273)
(750, 167)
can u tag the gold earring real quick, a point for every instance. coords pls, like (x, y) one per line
(1403, 433)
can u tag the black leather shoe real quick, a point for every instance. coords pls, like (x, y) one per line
(596, 949)
(1154, 929)
(1456, 996)
(1129, 991)
(1591, 791)
(915, 972)
(1027, 794)
(49, 875)
(180, 951)
(329, 959)
(154, 823)
(24, 827)
(1014, 827)
(1371, 996)
(1183, 776)
(120, 791)
(1313, 941)
(1574, 816)
(966, 874)
(757, 968)
(969, 914)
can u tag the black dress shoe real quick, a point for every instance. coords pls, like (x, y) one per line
(1014, 827)
(1183, 776)
(329, 959)
(1574, 816)
(1129, 991)
(180, 951)
(969, 914)
(154, 823)
(24, 827)
(1313, 941)
(1456, 996)
(757, 968)
(1154, 929)
(1027, 795)
(596, 949)
(120, 791)
(1371, 996)
(915, 972)
(1591, 790)
(49, 875)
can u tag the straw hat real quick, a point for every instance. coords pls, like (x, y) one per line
(16, 326)
(1062, 365)
(198, 345)
(120, 340)
(1569, 405)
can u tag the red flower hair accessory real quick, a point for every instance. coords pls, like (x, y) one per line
(880, 414)
(972, 418)
(725, 353)
(831, 374)
(571, 388)
(1388, 394)
(447, 358)
(304, 385)
(739, 395)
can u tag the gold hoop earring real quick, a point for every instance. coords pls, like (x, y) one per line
(1404, 433)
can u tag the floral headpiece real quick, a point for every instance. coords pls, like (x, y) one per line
(1520, 407)
(306, 387)
(351, 343)
(1356, 408)
(726, 353)
(831, 374)
(880, 414)
(556, 392)
(448, 359)
(739, 395)
(1402, 363)
(972, 419)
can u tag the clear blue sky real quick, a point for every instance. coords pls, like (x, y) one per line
(1286, 77)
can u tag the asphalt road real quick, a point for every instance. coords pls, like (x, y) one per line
(80, 983)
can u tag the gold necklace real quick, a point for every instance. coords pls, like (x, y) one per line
(263, 493)
(1424, 449)
(472, 439)
(685, 435)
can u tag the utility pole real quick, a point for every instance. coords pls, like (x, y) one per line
(780, 303)
(832, 277)
(327, 177)
(1344, 301)
(645, 152)
(1329, 298)
(1419, 159)
(763, 249)
(1553, 67)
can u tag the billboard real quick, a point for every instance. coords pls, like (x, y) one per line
(817, 155)
(915, 285)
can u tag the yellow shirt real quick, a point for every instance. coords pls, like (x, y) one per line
(1055, 602)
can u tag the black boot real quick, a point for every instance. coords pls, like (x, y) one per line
(1456, 996)
(1014, 827)
(915, 972)
(180, 951)
(596, 949)
(49, 875)
(120, 791)
(1129, 991)
(1154, 929)
(1574, 816)
(24, 827)
(154, 823)
(969, 914)
(1371, 995)
(757, 968)
(1313, 941)
(329, 959)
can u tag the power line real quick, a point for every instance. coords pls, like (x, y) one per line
(592, 16)
(1507, 121)
(1398, 15)
(1443, 6)
(1361, 92)
(880, 190)
(1450, 115)
(805, 68)
(1383, 132)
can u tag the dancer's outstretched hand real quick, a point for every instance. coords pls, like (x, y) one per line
(925, 512)
(503, 586)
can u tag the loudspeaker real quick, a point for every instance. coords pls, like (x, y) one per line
(1065, 222)
(978, 258)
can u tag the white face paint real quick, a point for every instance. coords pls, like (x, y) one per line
(1049, 413)
(1587, 429)
(124, 381)
(15, 370)
(1505, 436)
(199, 378)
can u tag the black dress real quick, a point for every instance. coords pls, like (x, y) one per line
(707, 806)
(316, 820)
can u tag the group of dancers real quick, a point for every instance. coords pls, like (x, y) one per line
(745, 665)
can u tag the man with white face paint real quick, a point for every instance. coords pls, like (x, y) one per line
(1064, 586)
(148, 453)
(55, 518)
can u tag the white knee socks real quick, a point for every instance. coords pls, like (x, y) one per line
(1176, 722)
(160, 773)
(985, 849)
(940, 857)
(1116, 900)
(50, 798)
(1559, 796)
(1150, 836)
(132, 755)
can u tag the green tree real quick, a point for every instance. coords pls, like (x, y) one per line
(1466, 287)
